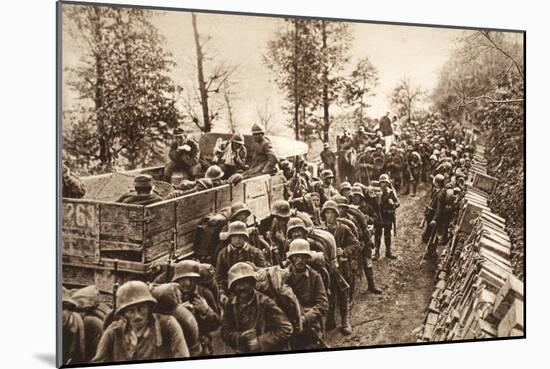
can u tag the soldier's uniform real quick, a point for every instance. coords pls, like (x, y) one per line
(259, 317)
(437, 203)
(161, 338)
(388, 204)
(73, 187)
(363, 167)
(142, 195)
(231, 160)
(325, 189)
(184, 155)
(394, 166)
(264, 158)
(377, 162)
(209, 319)
(328, 158)
(414, 162)
(309, 288)
(230, 255)
(74, 344)
(348, 243)
(356, 216)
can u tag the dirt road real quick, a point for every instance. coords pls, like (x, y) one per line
(406, 286)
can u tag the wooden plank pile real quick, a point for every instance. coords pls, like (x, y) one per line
(476, 294)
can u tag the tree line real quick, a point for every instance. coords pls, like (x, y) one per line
(127, 103)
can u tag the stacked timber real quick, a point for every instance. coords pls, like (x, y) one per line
(476, 294)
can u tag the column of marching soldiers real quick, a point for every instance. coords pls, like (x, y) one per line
(283, 287)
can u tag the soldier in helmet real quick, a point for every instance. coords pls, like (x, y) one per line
(74, 349)
(280, 214)
(184, 156)
(345, 189)
(388, 204)
(328, 158)
(354, 214)
(414, 161)
(72, 185)
(434, 211)
(92, 317)
(364, 166)
(309, 288)
(143, 192)
(369, 205)
(252, 322)
(231, 155)
(325, 189)
(394, 166)
(264, 158)
(215, 174)
(140, 334)
(239, 249)
(360, 139)
(377, 162)
(199, 300)
(348, 246)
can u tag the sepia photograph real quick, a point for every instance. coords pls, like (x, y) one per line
(238, 184)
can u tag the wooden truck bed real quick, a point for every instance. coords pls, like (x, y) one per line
(141, 238)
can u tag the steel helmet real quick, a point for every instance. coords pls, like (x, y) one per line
(439, 180)
(341, 201)
(433, 157)
(454, 153)
(237, 228)
(436, 152)
(437, 146)
(378, 146)
(238, 271)
(299, 247)
(281, 208)
(326, 145)
(186, 268)
(131, 293)
(356, 190)
(238, 208)
(384, 178)
(330, 205)
(214, 172)
(238, 138)
(295, 223)
(143, 180)
(257, 129)
(285, 164)
(327, 173)
(453, 140)
(345, 186)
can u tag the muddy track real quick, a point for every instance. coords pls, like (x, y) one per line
(406, 286)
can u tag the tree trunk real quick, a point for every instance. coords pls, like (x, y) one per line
(202, 84)
(227, 99)
(104, 143)
(295, 71)
(326, 103)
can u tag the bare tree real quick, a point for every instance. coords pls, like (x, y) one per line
(227, 95)
(404, 97)
(208, 83)
(265, 115)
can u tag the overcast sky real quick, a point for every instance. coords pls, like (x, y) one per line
(396, 51)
